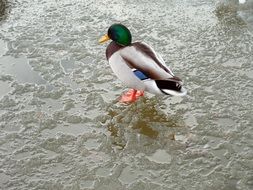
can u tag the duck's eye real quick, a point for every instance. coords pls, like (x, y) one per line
(116, 36)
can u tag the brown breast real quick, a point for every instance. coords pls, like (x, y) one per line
(112, 48)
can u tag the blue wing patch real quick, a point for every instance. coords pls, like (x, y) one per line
(140, 75)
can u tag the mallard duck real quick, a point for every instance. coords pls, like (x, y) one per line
(138, 66)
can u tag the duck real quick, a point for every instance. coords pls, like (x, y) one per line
(138, 66)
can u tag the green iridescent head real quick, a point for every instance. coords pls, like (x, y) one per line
(120, 34)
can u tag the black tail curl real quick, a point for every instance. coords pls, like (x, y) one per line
(169, 84)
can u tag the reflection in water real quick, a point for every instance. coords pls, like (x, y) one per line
(235, 12)
(145, 116)
(3, 8)
(227, 14)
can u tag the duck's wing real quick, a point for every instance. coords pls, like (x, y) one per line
(142, 57)
(146, 64)
(141, 46)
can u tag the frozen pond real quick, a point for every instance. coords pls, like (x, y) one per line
(62, 128)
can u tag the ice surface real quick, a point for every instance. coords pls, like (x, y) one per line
(61, 126)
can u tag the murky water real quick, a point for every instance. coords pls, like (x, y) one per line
(62, 128)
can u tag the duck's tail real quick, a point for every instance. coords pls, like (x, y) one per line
(172, 86)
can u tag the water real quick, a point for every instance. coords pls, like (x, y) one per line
(61, 125)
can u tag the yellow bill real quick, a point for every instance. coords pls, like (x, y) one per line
(104, 39)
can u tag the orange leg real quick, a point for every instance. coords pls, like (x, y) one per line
(131, 96)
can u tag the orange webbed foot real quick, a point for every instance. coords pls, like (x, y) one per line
(131, 96)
